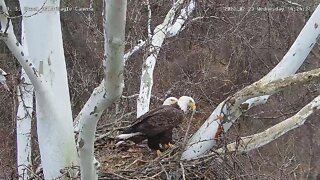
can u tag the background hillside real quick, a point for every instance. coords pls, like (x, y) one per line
(225, 47)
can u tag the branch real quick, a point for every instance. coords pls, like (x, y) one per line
(172, 31)
(263, 88)
(178, 26)
(233, 107)
(148, 66)
(133, 50)
(109, 90)
(136, 48)
(23, 124)
(8, 36)
(25, 93)
(203, 140)
(292, 3)
(258, 140)
(3, 79)
(149, 19)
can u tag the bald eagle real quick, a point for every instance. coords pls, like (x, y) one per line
(157, 124)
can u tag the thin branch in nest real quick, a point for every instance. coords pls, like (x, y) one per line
(183, 172)
(164, 169)
(184, 143)
(117, 120)
(7, 26)
(134, 162)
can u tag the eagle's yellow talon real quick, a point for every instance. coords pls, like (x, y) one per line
(159, 153)
(168, 146)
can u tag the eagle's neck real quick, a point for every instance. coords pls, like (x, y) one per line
(182, 106)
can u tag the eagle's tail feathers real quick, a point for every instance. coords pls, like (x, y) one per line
(127, 136)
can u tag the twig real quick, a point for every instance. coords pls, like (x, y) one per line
(183, 173)
(292, 3)
(149, 20)
(7, 26)
(31, 171)
(117, 175)
(167, 175)
(116, 121)
(184, 143)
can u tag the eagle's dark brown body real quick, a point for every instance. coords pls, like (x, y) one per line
(156, 125)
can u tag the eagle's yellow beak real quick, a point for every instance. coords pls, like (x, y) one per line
(192, 106)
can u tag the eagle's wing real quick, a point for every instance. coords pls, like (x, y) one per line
(157, 120)
(163, 119)
(149, 114)
(142, 119)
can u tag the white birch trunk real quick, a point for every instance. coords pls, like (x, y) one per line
(45, 66)
(108, 91)
(24, 117)
(48, 76)
(54, 117)
(3, 79)
(203, 140)
(23, 121)
(7, 35)
(174, 30)
(157, 40)
(178, 26)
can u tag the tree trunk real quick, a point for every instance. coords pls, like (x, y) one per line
(160, 33)
(24, 117)
(42, 30)
(108, 91)
(203, 140)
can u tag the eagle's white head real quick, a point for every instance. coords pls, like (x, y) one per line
(186, 103)
(170, 101)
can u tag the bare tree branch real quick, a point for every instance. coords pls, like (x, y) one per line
(255, 141)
